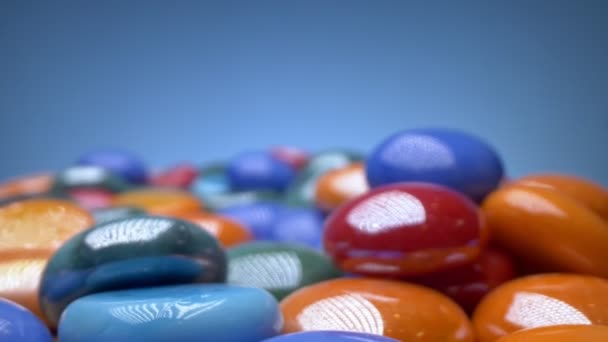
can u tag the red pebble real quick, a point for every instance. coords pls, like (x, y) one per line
(180, 176)
(292, 156)
(468, 284)
(404, 229)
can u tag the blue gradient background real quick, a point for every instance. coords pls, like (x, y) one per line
(202, 80)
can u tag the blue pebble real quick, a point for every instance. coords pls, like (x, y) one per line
(259, 171)
(210, 312)
(258, 217)
(299, 225)
(121, 163)
(451, 158)
(330, 336)
(17, 324)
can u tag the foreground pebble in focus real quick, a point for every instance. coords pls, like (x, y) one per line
(399, 310)
(185, 313)
(560, 333)
(17, 324)
(404, 229)
(541, 300)
(128, 253)
(330, 336)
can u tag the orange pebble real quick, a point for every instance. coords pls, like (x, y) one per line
(541, 300)
(338, 186)
(20, 275)
(403, 311)
(593, 195)
(159, 201)
(548, 229)
(40, 224)
(228, 232)
(560, 333)
(29, 185)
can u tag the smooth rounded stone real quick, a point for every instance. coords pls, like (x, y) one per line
(541, 300)
(259, 170)
(560, 333)
(218, 202)
(40, 225)
(258, 217)
(88, 177)
(159, 201)
(210, 312)
(91, 198)
(17, 324)
(104, 215)
(547, 230)
(122, 163)
(405, 229)
(302, 190)
(127, 253)
(34, 184)
(179, 176)
(226, 230)
(330, 336)
(20, 275)
(279, 268)
(299, 225)
(338, 186)
(447, 157)
(292, 156)
(405, 312)
(212, 180)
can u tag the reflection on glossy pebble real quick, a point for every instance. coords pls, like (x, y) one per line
(278, 267)
(203, 312)
(18, 324)
(330, 336)
(133, 252)
(541, 300)
(399, 310)
(560, 333)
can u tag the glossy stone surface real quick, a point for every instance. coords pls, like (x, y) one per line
(120, 162)
(95, 177)
(259, 170)
(212, 179)
(133, 252)
(591, 194)
(20, 275)
(560, 333)
(299, 225)
(278, 267)
(218, 202)
(330, 336)
(40, 224)
(103, 215)
(548, 230)
(179, 176)
(17, 324)
(451, 158)
(292, 156)
(541, 300)
(26, 185)
(228, 232)
(399, 310)
(258, 217)
(211, 312)
(468, 284)
(404, 229)
(91, 198)
(335, 187)
(302, 190)
(159, 201)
